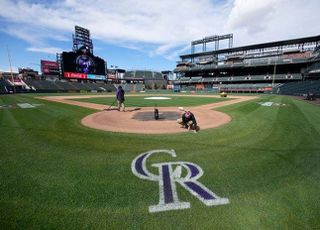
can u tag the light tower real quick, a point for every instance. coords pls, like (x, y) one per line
(81, 37)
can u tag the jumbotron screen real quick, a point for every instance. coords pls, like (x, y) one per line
(82, 64)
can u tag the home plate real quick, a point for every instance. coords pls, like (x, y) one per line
(157, 98)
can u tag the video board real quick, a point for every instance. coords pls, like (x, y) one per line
(82, 64)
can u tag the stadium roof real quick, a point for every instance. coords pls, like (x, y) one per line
(311, 39)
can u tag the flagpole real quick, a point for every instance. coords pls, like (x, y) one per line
(9, 57)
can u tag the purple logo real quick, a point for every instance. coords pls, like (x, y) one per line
(171, 173)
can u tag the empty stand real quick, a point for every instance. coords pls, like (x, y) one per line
(44, 86)
(300, 88)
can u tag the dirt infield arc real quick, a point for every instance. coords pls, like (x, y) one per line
(115, 121)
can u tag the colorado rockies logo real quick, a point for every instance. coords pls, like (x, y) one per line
(170, 173)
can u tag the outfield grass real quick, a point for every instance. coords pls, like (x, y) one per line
(140, 101)
(57, 174)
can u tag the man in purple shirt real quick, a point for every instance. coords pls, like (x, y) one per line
(120, 98)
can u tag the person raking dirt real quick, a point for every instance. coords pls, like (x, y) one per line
(188, 120)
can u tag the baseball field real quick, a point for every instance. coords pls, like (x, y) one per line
(259, 169)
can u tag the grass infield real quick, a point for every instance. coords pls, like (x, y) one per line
(140, 101)
(57, 174)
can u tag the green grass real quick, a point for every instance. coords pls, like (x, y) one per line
(134, 101)
(57, 174)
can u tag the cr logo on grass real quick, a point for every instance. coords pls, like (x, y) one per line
(182, 172)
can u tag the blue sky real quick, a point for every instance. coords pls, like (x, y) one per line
(144, 34)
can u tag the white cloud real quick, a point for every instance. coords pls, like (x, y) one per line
(22, 33)
(163, 49)
(160, 23)
(173, 56)
(255, 21)
(47, 50)
(160, 27)
(252, 15)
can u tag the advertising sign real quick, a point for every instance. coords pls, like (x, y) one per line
(75, 75)
(96, 77)
(49, 67)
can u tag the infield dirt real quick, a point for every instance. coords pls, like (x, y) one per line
(115, 121)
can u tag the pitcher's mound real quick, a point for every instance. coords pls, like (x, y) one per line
(149, 116)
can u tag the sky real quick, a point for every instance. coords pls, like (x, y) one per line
(144, 34)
